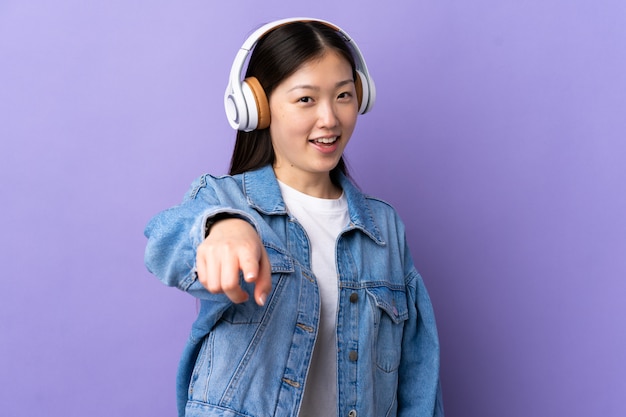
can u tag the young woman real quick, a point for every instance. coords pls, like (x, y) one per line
(309, 301)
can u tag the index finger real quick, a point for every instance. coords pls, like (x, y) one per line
(263, 284)
(258, 271)
(229, 279)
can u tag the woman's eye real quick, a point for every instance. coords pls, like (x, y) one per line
(305, 99)
(344, 95)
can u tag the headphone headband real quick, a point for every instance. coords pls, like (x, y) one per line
(245, 101)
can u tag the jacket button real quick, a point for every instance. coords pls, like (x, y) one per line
(352, 413)
(353, 355)
(354, 297)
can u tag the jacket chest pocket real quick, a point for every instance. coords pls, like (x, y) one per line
(390, 310)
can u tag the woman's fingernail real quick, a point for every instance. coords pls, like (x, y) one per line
(262, 299)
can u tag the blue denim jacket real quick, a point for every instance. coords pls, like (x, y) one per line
(247, 360)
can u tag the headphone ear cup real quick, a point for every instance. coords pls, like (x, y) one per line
(257, 104)
(358, 86)
(363, 92)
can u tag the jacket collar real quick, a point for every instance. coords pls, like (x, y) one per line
(263, 194)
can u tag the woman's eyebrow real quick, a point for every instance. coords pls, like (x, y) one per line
(317, 88)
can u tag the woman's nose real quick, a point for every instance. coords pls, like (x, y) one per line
(327, 116)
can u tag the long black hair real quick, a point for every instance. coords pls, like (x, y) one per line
(276, 56)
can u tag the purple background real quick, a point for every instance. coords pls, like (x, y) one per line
(499, 134)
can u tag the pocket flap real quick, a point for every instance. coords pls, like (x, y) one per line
(392, 301)
(279, 261)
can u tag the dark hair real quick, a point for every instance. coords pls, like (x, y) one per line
(276, 56)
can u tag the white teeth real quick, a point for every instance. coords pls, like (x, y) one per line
(326, 140)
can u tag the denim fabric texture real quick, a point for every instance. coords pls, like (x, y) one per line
(246, 360)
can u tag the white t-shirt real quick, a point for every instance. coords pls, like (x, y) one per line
(323, 220)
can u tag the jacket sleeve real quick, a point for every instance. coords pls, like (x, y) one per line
(174, 234)
(419, 389)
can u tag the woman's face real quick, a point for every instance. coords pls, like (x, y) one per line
(313, 114)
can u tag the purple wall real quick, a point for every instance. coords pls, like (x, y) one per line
(501, 125)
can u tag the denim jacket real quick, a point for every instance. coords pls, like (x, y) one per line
(248, 360)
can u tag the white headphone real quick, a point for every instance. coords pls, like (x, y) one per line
(246, 103)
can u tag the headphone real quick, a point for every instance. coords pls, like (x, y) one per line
(246, 104)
